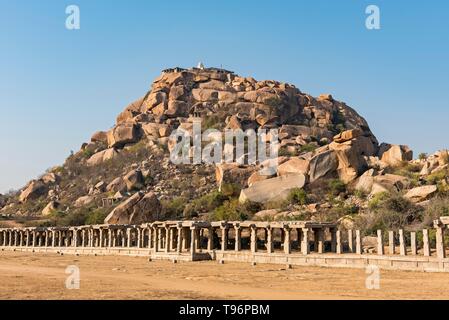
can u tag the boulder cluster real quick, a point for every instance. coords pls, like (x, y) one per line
(128, 165)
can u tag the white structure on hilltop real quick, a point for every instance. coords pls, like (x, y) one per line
(200, 65)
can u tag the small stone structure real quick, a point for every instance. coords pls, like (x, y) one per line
(286, 242)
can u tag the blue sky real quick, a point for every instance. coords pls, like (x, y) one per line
(58, 86)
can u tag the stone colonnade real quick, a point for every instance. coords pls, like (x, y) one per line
(193, 237)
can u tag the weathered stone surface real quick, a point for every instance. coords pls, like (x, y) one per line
(272, 189)
(49, 178)
(116, 185)
(294, 165)
(322, 164)
(137, 209)
(256, 176)
(33, 191)
(422, 193)
(351, 156)
(84, 201)
(177, 109)
(100, 136)
(394, 154)
(232, 173)
(365, 181)
(392, 181)
(130, 111)
(122, 134)
(51, 207)
(134, 180)
(205, 95)
(266, 214)
(347, 135)
(102, 156)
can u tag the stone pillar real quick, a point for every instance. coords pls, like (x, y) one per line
(159, 239)
(319, 240)
(351, 241)
(380, 244)
(339, 248)
(333, 239)
(172, 239)
(34, 238)
(11, 238)
(287, 245)
(402, 247)
(253, 239)
(128, 237)
(60, 238)
(358, 242)
(426, 245)
(305, 248)
(150, 237)
(100, 238)
(167, 239)
(53, 238)
(179, 240)
(16, 238)
(21, 236)
(413, 243)
(193, 235)
(391, 247)
(210, 239)
(224, 238)
(441, 250)
(269, 233)
(139, 237)
(47, 240)
(109, 245)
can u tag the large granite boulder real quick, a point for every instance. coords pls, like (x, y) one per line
(272, 189)
(134, 180)
(102, 156)
(422, 193)
(137, 209)
(322, 164)
(122, 134)
(34, 190)
(393, 155)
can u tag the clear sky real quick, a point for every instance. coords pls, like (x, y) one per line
(58, 86)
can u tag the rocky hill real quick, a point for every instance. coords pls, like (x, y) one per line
(331, 165)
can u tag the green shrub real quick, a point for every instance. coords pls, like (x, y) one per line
(234, 210)
(336, 187)
(97, 216)
(174, 207)
(377, 199)
(297, 196)
(308, 147)
(422, 156)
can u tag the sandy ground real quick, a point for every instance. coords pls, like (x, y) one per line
(42, 276)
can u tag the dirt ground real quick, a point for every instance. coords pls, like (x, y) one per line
(42, 276)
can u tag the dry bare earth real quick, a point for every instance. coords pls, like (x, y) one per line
(42, 276)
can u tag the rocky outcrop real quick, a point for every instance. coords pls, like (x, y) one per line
(134, 180)
(122, 134)
(394, 155)
(422, 193)
(137, 209)
(84, 201)
(293, 166)
(272, 189)
(322, 164)
(102, 156)
(33, 191)
(50, 208)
